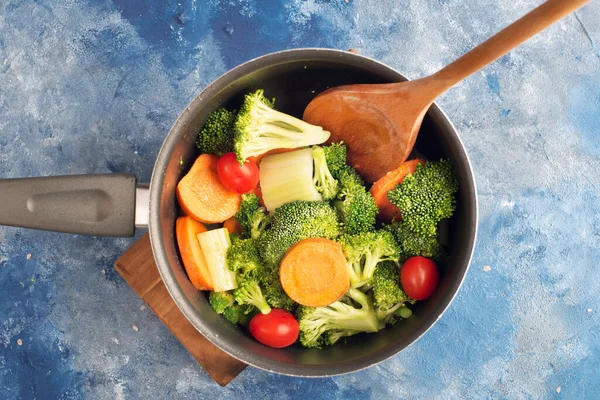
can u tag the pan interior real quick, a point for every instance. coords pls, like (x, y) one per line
(294, 78)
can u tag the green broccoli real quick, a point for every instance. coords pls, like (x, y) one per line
(365, 250)
(293, 222)
(413, 244)
(348, 177)
(260, 128)
(426, 196)
(252, 217)
(276, 296)
(216, 136)
(322, 178)
(335, 155)
(355, 206)
(244, 260)
(249, 292)
(388, 296)
(325, 325)
(223, 303)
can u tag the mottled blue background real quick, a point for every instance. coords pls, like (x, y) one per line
(94, 85)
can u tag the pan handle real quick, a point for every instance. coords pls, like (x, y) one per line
(99, 205)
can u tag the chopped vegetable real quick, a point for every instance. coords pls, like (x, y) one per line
(325, 325)
(235, 177)
(322, 178)
(313, 272)
(426, 197)
(214, 246)
(216, 136)
(186, 230)
(277, 329)
(335, 155)
(252, 217)
(260, 128)
(364, 251)
(379, 190)
(293, 222)
(388, 296)
(355, 206)
(413, 244)
(249, 292)
(201, 194)
(223, 303)
(276, 296)
(243, 259)
(287, 177)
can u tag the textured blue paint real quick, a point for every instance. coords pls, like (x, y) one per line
(94, 85)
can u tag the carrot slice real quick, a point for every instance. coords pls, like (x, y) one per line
(201, 194)
(314, 272)
(232, 225)
(186, 229)
(379, 190)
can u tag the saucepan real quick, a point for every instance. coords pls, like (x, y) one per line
(115, 204)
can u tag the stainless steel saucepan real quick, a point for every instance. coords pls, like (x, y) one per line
(113, 205)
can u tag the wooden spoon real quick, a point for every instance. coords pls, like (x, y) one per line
(380, 122)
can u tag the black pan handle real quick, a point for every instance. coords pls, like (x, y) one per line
(99, 205)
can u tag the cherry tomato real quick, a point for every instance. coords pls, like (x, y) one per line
(419, 277)
(235, 177)
(276, 329)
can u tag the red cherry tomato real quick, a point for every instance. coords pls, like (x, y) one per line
(235, 177)
(419, 277)
(276, 329)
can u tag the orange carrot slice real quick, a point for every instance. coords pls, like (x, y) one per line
(314, 272)
(186, 229)
(379, 190)
(201, 194)
(232, 225)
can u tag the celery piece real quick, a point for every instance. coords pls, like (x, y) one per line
(287, 177)
(214, 244)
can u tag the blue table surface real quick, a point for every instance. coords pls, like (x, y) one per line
(93, 86)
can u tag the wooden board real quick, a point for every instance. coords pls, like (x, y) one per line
(139, 270)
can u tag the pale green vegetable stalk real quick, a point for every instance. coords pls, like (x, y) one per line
(215, 244)
(287, 177)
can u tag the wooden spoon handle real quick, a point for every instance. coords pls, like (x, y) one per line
(504, 41)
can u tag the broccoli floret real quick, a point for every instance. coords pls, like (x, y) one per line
(335, 155)
(348, 177)
(249, 292)
(340, 319)
(355, 206)
(260, 128)
(412, 244)
(244, 260)
(426, 196)
(293, 222)
(365, 250)
(276, 296)
(216, 136)
(252, 217)
(388, 296)
(322, 178)
(223, 303)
